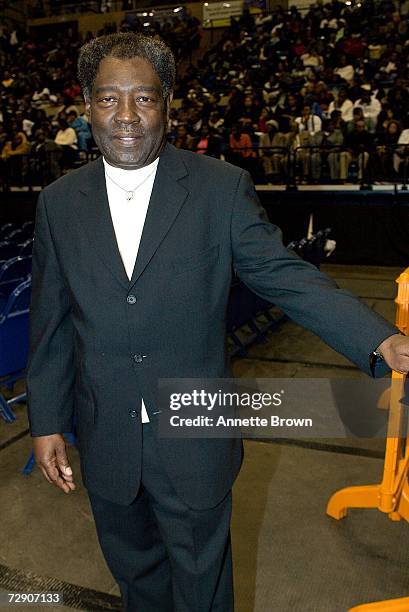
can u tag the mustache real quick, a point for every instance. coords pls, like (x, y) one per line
(127, 132)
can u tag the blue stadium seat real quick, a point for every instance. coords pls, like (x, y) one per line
(8, 250)
(26, 247)
(12, 273)
(6, 229)
(14, 326)
(17, 235)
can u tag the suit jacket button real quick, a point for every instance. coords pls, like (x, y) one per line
(131, 299)
(138, 358)
(132, 413)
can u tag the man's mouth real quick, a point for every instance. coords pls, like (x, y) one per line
(128, 138)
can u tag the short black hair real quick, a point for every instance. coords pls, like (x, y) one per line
(126, 45)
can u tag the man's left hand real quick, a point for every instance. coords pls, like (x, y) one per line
(395, 351)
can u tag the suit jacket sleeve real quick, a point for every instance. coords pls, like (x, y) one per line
(308, 296)
(51, 369)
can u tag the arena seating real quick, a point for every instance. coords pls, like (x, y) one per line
(14, 321)
(15, 290)
(318, 95)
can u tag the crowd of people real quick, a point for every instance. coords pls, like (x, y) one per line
(320, 94)
(326, 90)
(43, 129)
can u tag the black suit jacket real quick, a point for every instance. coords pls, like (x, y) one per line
(96, 353)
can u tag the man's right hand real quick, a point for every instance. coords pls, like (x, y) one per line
(51, 457)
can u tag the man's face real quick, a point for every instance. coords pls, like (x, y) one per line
(127, 112)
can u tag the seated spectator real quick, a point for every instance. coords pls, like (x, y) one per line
(292, 107)
(183, 140)
(46, 157)
(16, 145)
(358, 143)
(274, 162)
(371, 107)
(82, 129)
(344, 70)
(15, 153)
(209, 143)
(67, 139)
(312, 58)
(308, 121)
(250, 110)
(398, 98)
(240, 142)
(385, 116)
(42, 96)
(343, 104)
(383, 158)
(241, 151)
(401, 156)
(216, 121)
(308, 153)
(72, 91)
(333, 139)
(7, 79)
(357, 115)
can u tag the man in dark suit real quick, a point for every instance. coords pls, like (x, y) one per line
(105, 328)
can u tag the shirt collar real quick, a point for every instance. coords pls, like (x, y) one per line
(129, 178)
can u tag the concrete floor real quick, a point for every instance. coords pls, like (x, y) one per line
(289, 557)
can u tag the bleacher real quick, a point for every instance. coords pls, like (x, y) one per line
(16, 242)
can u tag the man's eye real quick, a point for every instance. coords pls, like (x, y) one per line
(107, 99)
(145, 99)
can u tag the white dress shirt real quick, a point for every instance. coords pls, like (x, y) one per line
(312, 125)
(128, 216)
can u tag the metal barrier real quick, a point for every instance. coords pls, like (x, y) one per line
(309, 164)
(306, 164)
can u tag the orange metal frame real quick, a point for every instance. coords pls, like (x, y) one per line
(391, 496)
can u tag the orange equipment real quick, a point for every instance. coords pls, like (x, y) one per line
(392, 494)
(393, 605)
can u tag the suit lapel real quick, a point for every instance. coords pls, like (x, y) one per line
(167, 197)
(96, 219)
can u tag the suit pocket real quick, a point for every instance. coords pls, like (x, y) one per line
(203, 259)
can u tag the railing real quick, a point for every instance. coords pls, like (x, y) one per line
(290, 168)
(37, 170)
(325, 164)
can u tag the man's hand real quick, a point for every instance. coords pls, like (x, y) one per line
(395, 351)
(51, 457)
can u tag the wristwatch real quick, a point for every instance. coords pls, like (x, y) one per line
(375, 358)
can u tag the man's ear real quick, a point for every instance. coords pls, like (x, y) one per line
(168, 103)
(87, 103)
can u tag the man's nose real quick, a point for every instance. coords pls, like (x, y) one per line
(127, 111)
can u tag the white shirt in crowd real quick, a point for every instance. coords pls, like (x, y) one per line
(313, 124)
(67, 137)
(371, 109)
(345, 72)
(346, 109)
(128, 216)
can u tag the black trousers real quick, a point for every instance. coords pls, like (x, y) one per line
(165, 556)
